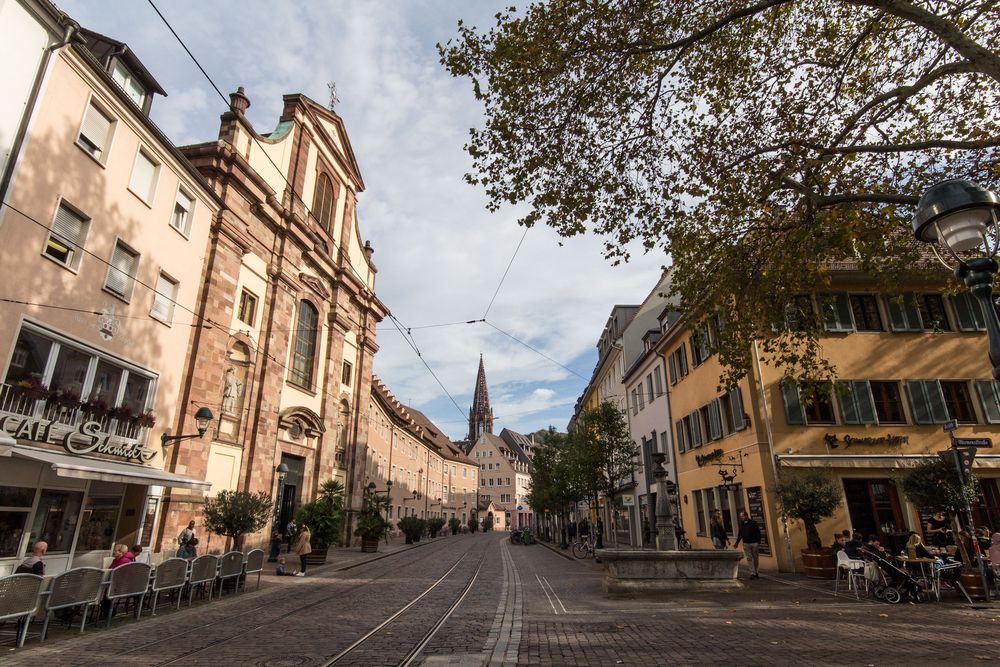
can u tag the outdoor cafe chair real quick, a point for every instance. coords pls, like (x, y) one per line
(203, 571)
(73, 588)
(170, 575)
(18, 601)
(230, 565)
(254, 564)
(853, 570)
(129, 580)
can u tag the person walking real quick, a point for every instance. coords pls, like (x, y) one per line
(185, 536)
(720, 538)
(584, 529)
(749, 534)
(571, 532)
(303, 549)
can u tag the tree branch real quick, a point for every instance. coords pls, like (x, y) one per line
(848, 198)
(713, 28)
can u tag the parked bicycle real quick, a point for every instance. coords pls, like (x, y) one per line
(583, 548)
(521, 537)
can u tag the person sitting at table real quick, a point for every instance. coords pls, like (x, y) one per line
(995, 552)
(853, 547)
(122, 556)
(34, 564)
(915, 546)
(140, 555)
(872, 545)
(839, 543)
(983, 537)
(938, 530)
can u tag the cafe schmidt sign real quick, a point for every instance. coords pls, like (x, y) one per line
(86, 439)
(832, 440)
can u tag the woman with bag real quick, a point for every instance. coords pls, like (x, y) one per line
(303, 549)
(720, 538)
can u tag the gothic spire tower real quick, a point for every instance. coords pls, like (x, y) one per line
(480, 414)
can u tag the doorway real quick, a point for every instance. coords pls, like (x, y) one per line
(873, 505)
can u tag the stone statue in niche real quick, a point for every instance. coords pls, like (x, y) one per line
(231, 392)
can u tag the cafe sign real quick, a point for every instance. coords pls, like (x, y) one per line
(832, 440)
(85, 439)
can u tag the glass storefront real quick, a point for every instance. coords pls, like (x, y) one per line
(15, 507)
(97, 529)
(55, 519)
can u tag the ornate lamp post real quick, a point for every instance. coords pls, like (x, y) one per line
(203, 417)
(282, 471)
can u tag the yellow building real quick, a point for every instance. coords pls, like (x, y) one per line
(905, 367)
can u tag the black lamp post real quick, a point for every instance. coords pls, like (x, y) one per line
(956, 215)
(203, 417)
(388, 494)
(282, 470)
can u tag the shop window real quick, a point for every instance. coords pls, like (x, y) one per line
(836, 310)
(958, 401)
(888, 402)
(95, 133)
(926, 402)
(67, 236)
(97, 528)
(247, 313)
(70, 372)
(164, 298)
(857, 405)
(324, 201)
(15, 506)
(968, 313)
(136, 396)
(107, 382)
(55, 519)
(144, 175)
(121, 271)
(304, 350)
(864, 308)
(699, 512)
(874, 509)
(183, 213)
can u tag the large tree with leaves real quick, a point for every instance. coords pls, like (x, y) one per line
(603, 455)
(757, 142)
(555, 480)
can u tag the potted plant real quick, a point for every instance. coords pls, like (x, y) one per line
(32, 389)
(473, 524)
(146, 419)
(412, 528)
(66, 398)
(372, 527)
(455, 525)
(810, 498)
(96, 408)
(435, 525)
(324, 517)
(237, 513)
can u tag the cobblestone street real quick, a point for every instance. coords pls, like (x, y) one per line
(522, 605)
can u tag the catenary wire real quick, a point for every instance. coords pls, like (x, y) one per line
(506, 271)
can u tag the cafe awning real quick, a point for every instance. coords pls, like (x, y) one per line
(882, 461)
(81, 467)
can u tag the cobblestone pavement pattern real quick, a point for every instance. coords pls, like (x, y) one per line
(527, 605)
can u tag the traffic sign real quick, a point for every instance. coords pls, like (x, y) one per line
(950, 425)
(971, 442)
(966, 456)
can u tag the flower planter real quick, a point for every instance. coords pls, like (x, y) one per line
(369, 546)
(972, 582)
(819, 564)
(317, 557)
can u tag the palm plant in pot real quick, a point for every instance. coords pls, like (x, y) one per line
(324, 517)
(372, 526)
(412, 528)
(811, 497)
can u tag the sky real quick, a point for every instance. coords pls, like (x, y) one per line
(440, 254)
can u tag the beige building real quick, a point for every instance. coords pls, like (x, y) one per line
(505, 477)
(905, 365)
(102, 236)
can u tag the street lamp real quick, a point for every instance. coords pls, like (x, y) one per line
(282, 471)
(203, 417)
(957, 215)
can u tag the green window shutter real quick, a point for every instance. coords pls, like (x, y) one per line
(714, 420)
(935, 396)
(903, 313)
(794, 414)
(683, 358)
(736, 402)
(989, 400)
(968, 312)
(672, 364)
(836, 312)
(694, 428)
(679, 426)
(864, 401)
(846, 397)
(919, 402)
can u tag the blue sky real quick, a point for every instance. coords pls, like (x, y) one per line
(440, 254)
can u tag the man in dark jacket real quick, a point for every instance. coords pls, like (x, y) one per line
(749, 534)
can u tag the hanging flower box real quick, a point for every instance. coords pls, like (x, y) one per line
(122, 413)
(97, 409)
(145, 420)
(32, 388)
(64, 397)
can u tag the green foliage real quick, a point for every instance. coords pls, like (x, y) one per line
(755, 144)
(473, 523)
(487, 523)
(434, 525)
(603, 454)
(455, 524)
(555, 480)
(237, 513)
(412, 527)
(325, 515)
(809, 497)
(372, 524)
(933, 485)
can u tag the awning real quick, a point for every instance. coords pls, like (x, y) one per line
(874, 460)
(81, 467)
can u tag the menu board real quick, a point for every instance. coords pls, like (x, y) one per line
(755, 506)
(146, 537)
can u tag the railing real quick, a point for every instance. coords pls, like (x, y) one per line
(27, 403)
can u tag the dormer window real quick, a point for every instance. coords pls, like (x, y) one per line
(129, 83)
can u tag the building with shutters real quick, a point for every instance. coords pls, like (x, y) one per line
(102, 232)
(906, 364)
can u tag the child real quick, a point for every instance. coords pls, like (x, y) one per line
(280, 571)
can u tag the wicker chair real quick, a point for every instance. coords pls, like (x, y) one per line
(171, 575)
(204, 569)
(76, 587)
(130, 580)
(18, 600)
(230, 566)
(254, 564)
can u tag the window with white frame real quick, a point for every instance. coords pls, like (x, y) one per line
(165, 298)
(127, 81)
(95, 133)
(121, 271)
(180, 218)
(144, 175)
(67, 236)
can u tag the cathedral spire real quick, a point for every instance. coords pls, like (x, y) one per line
(480, 414)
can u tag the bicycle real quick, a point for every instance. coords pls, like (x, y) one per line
(583, 549)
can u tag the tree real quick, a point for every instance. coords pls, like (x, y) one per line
(933, 485)
(237, 513)
(325, 515)
(809, 497)
(555, 481)
(455, 524)
(758, 143)
(473, 523)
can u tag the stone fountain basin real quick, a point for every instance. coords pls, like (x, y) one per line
(631, 571)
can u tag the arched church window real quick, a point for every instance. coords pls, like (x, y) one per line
(304, 351)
